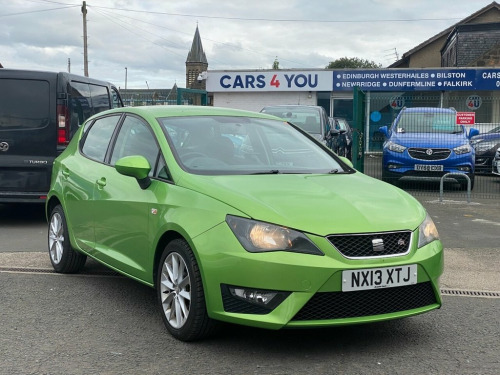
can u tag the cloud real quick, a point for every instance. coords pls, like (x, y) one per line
(152, 38)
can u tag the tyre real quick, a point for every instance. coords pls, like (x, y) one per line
(180, 293)
(63, 258)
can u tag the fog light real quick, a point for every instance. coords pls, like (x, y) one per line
(393, 166)
(268, 299)
(256, 296)
(464, 169)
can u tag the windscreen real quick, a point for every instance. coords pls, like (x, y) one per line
(244, 145)
(428, 122)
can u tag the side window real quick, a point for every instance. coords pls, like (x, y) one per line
(116, 99)
(80, 103)
(162, 170)
(135, 138)
(97, 139)
(100, 98)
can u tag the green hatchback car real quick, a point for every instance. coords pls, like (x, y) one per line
(238, 217)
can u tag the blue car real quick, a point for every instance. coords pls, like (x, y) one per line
(425, 144)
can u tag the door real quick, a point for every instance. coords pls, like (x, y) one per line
(80, 176)
(27, 136)
(122, 207)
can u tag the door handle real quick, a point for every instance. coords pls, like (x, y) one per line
(65, 172)
(101, 182)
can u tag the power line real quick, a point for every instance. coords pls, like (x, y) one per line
(278, 19)
(104, 13)
(38, 11)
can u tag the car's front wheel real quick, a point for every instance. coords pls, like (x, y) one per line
(63, 258)
(180, 293)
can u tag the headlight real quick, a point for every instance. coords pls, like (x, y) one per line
(464, 149)
(395, 147)
(485, 146)
(427, 232)
(257, 236)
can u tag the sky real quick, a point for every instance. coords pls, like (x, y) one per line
(145, 43)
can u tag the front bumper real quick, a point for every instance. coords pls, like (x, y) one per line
(396, 166)
(314, 283)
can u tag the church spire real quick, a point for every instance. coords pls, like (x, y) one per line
(196, 64)
(197, 55)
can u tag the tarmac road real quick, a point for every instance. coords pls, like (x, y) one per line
(100, 323)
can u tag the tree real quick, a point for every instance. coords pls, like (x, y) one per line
(276, 64)
(352, 62)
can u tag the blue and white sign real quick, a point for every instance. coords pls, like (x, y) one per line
(277, 80)
(417, 79)
(466, 79)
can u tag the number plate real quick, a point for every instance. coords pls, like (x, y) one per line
(428, 168)
(375, 278)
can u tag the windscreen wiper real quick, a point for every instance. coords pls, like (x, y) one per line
(272, 171)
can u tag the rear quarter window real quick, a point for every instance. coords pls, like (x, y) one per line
(24, 104)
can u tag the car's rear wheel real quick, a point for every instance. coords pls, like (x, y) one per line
(180, 293)
(63, 258)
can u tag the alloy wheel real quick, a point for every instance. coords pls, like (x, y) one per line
(56, 238)
(175, 288)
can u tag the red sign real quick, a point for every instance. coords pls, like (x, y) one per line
(466, 118)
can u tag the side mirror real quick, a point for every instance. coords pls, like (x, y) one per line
(136, 166)
(472, 132)
(384, 130)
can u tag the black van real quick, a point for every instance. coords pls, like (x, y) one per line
(39, 113)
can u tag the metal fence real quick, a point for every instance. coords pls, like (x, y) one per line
(426, 145)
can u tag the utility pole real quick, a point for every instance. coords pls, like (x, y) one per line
(69, 65)
(125, 78)
(85, 56)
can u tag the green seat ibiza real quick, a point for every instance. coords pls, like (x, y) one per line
(238, 217)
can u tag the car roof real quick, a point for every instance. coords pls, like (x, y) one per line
(188, 110)
(428, 110)
(291, 106)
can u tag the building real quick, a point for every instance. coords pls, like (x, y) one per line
(479, 30)
(459, 67)
(196, 64)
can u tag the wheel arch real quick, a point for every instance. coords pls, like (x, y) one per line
(164, 240)
(50, 205)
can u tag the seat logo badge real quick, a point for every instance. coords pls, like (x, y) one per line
(401, 242)
(4, 146)
(378, 244)
(428, 151)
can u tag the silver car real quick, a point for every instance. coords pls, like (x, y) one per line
(496, 163)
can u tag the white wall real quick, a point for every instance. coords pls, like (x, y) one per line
(255, 101)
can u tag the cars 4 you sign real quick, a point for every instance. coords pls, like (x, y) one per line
(289, 80)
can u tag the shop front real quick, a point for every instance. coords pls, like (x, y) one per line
(386, 92)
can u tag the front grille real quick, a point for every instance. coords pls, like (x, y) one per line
(338, 305)
(372, 244)
(429, 153)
